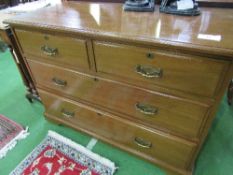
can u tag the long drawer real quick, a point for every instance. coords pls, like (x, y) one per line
(151, 144)
(144, 66)
(160, 111)
(65, 51)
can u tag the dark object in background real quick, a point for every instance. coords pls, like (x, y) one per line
(230, 93)
(215, 3)
(3, 46)
(171, 7)
(2, 6)
(10, 3)
(201, 3)
(139, 5)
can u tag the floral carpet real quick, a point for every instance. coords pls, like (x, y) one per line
(10, 133)
(57, 155)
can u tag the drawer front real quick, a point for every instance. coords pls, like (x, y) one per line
(155, 110)
(143, 142)
(188, 74)
(56, 49)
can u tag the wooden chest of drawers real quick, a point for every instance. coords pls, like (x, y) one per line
(143, 87)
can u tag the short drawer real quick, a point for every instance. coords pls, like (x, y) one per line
(65, 51)
(151, 68)
(146, 143)
(167, 113)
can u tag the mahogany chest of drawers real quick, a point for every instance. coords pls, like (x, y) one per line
(147, 83)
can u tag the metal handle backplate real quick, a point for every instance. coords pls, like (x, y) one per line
(59, 82)
(67, 114)
(149, 72)
(49, 51)
(142, 143)
(146, 109)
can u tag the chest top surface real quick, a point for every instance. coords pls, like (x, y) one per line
(213, 28)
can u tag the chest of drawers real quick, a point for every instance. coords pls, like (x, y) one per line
(130, 79)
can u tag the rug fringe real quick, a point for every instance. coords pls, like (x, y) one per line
(84, 150)
(22, 135)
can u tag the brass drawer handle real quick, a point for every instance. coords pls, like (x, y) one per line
(59, 82)
(149, 72)
(67, 114)
(146, 109)
(49, 51)
(142, 143)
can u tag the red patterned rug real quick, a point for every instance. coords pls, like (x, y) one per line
(10, 133)
(57, 155)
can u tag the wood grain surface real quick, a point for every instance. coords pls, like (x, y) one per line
(123, 75)
(181, 72)
(164, 147)
(173, 115)
(67, 51)
(213, 28)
